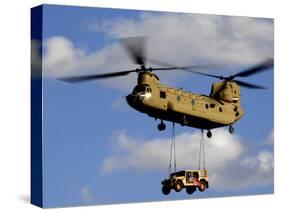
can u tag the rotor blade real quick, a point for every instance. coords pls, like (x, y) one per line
(135, 47)
(96, 76)
(188, 69)
(185, 68)
(256, 69)
(249, 85)
(158, 62)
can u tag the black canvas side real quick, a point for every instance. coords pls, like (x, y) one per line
(36, 106)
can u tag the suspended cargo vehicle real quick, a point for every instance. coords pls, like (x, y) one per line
(188, 179)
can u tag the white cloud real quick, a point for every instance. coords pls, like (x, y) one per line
(62, 58)
(228, 166)
(250, 171)
(153, 154)
(182, 39)
(189, 38)
(86, 194)
(263, 161)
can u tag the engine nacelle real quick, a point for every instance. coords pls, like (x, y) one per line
(226, 91)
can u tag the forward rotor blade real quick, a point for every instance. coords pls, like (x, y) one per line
(96, 76)
(135, 47)
(256, 69)
(158, 62)
(249, 85)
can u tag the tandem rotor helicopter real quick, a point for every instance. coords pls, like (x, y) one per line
(218, 109)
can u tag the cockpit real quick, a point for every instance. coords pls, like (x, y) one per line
(139, 94)
(142, 92)
(142, 89)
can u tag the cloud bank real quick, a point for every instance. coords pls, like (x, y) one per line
(180, 39)
(229, 167)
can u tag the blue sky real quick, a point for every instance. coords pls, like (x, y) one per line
(95, 146)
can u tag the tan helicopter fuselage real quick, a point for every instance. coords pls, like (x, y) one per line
(220, 108)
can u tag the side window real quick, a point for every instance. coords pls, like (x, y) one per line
(148, 90)
(195, 175)
(162, 94)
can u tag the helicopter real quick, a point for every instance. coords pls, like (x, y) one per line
(165, 103)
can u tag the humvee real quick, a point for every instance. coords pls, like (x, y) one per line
(188, 179)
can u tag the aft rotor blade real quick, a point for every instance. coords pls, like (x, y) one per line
(249, 85)
(135, 47)
(256, 69)
(96, 76)
(185, 68)
(189, 69)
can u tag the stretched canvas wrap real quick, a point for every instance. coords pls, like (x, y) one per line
(92, 145)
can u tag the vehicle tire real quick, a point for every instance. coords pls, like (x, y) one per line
(166, 190)
(178, 186)
(202, 186)
(190, 189)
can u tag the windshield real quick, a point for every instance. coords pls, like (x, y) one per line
(142, 89)
(139, 89)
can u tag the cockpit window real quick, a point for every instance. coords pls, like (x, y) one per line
(139, 89)
(142, 89)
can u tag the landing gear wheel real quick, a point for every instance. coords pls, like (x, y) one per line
(166, 190)
(161, 126)
(209, 134)
(178, 186)
(231, 129)
(202, 186)
(190, 189)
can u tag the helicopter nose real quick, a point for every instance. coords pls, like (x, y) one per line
(134, 100)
